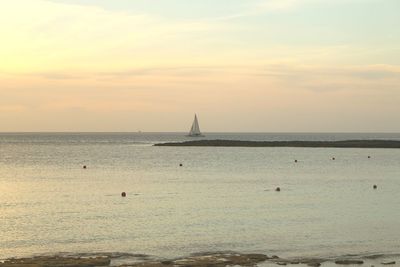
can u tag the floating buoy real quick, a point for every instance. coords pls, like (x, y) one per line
(375, 186)
(123, 194)
(180, 165)
(333, 158)
(84, 166)
(295, 160)
(369, 157)
(278, 189)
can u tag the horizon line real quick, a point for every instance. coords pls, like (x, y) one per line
(184, 132)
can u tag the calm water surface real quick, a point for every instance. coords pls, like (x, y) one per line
(221, 199)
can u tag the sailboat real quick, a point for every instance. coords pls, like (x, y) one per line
(195, 130)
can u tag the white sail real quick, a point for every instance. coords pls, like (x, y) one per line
(195, 130)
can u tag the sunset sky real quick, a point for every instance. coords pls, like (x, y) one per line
(241, 65)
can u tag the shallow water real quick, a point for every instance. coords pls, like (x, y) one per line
(220, 199)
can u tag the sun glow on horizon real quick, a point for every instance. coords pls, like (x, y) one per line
(266, 65)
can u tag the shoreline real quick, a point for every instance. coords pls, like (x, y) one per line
(310, 144)
(206, 259)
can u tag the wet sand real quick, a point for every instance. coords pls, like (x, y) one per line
(217, 259)
(326, 144)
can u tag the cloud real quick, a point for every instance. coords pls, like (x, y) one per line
(286, 76)
(286, 96)
(12, 108)
(53, 36)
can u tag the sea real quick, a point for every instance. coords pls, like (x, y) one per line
(220, 199)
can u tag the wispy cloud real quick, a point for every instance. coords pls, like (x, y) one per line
(60, 36)
(12, 108)
(252, 61)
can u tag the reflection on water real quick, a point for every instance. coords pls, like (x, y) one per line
(220, 199)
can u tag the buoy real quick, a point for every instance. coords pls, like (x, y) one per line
(84, 166)
(295, 160)
(180, 165)
(375, 186)
(333, 158)
(369, 157)
(278, 189)
(123, 194)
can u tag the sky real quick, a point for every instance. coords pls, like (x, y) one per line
(241, 65)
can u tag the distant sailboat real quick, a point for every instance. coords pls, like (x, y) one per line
(195, 130)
